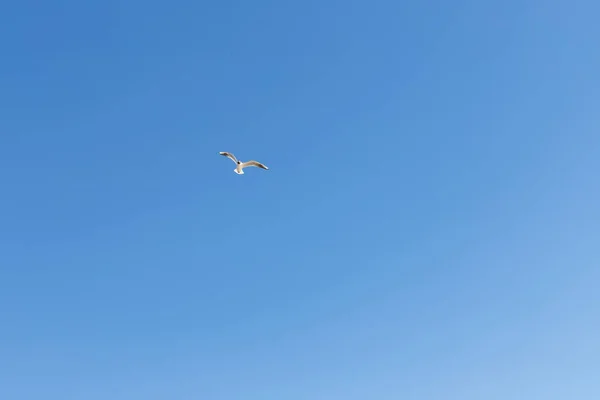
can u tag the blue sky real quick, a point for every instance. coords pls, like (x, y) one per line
(428, 228)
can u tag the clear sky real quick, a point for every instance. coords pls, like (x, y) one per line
(428, 228)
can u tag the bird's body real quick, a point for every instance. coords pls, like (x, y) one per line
(239, 168)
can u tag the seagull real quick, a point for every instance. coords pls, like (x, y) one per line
(239, 169)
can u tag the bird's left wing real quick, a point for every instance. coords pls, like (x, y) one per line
(253, 163)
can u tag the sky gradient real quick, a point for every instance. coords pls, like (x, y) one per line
(428, 228)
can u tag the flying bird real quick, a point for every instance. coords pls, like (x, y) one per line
(239, 169)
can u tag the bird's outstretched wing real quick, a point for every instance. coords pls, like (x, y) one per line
(228, 155)
(253, 163)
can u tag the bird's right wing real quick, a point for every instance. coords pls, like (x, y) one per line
(228, 155)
